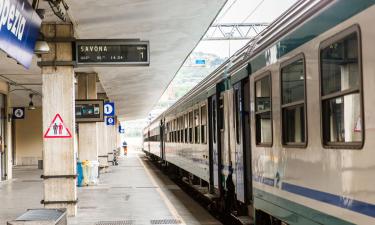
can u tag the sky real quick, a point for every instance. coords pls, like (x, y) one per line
(249, 11)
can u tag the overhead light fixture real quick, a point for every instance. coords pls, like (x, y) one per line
(31, 103)
(41, 47)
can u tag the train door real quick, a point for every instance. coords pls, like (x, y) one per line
(220, 139)
(162, 128)
(242, 162)
(213, 146)
(148, 140)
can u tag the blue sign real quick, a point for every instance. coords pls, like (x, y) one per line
(19, 30)
(200, 61)
(18, 112)
(121, 130)
(110, 121)
(109, 108)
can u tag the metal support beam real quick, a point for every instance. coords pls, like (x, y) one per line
(234, 31)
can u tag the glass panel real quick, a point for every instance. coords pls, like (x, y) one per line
(342, 119)
(340, 65)
(196, 117)
(293, 82)
(214, 121)
(204, 115)
(264, 128)
(190, 119)
(203, 134)
(197, 136)
(263, 94)
(294, 124)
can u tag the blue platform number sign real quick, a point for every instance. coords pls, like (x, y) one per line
(110, 121)
(109, 108)
(18, 112)
(19, 30)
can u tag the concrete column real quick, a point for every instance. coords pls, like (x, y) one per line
(59, 159)
(112, 141)
(102, 145)
(118, 137)
(88, 132)
(9, 147)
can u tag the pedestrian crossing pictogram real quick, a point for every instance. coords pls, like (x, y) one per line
(57, 129)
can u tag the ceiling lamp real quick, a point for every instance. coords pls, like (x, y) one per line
(31, 103)
(41, 47)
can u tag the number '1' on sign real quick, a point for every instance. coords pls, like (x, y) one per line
(109, 109)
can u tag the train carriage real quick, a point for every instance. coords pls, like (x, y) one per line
(291, 115)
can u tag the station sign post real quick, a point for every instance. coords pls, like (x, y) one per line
(112, 52)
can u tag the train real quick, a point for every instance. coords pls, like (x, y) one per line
(289, 118)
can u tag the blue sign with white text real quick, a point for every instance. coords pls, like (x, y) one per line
(19, 30)
(200, 61)
(109, 109)
(110, 121)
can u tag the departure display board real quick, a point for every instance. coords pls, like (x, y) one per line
(113, 52)
(89, 110)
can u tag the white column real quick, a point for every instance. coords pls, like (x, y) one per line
(59, 160)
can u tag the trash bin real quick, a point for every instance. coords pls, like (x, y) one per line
(79, 174)
(41, 216)
(94, 173)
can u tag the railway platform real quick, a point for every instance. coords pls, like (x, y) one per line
(134, 192)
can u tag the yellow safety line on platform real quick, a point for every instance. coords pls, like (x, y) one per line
(168, 203)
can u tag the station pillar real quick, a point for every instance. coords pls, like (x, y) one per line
(103, 137)
(59, 153)
(87, 132)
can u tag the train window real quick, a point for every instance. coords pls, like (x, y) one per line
(214, 120)
(182, 128)
(203, 124)
(190, 127)
(196, 126)
(186, 128)
(293, 102)
(263, 110)
(180, 125)
(341, 94)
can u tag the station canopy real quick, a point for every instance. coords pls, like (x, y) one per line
(173, 29)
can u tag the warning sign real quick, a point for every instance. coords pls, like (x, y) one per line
(57, 129)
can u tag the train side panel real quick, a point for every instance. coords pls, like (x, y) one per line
(334, 184)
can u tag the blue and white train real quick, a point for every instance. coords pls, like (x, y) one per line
(292, 113)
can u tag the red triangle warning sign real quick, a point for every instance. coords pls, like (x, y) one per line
(57, 129)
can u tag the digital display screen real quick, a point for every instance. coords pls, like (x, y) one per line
(112, 53)
(89, 111)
